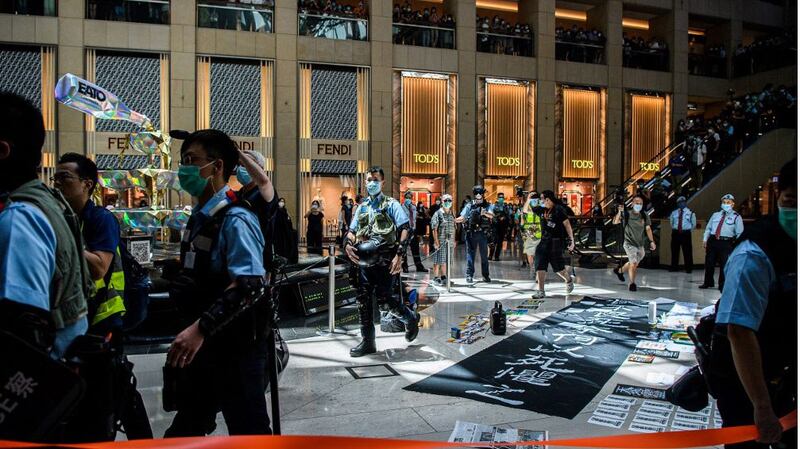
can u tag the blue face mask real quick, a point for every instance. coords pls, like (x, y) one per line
(534, 203)
(408, 201)
(727, 207)
(374, 188)
(190, 179)
(501, 200)
(637, 208)
(787, 217)
(242, 176)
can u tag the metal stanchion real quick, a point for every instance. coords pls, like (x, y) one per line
(449, 260)
(331, 331)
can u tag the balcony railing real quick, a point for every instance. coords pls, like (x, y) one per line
(333, 27)
(648, 59)
(707, 65)
(580, 52)
(28, 7)
(141, 11)
(234, 16)
(423, 35)
(505, 44)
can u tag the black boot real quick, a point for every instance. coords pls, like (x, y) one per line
(367, 346)
(412, 328)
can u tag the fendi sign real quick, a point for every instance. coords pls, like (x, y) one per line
(333, 149)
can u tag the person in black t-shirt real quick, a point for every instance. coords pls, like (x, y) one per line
(555, 230)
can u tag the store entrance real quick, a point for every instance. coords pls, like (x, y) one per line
(578, 195)
(423, 190)
(506, 186)
(328, 191)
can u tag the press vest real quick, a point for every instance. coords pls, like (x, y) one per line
(532, 225)
(71, 284)
(777, 334)
(109, 298)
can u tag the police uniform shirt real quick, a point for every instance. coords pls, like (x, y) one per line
(748, 277)
(27, 264)
(241, 244)
(394, 209)
(732, 226)
(468, 209)
(411, 211)
(689, 219)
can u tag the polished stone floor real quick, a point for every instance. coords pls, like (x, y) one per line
(318, 394)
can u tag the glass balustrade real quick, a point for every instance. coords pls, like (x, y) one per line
(141, 11)
(423, 35)
(333, 27)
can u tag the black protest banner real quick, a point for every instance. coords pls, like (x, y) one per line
(554, 366)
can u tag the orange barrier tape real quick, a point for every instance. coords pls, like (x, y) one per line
(663, 440)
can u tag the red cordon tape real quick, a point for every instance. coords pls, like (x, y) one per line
(662, 440)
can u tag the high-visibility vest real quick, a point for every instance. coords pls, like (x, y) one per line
(110, 291)
(532, 224)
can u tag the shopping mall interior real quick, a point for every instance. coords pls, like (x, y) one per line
(595, 100)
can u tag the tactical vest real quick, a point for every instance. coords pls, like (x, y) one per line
(777, 334)
(71, 284)
(477, 222)
(378, 225)
(109, 298)
(532, 225)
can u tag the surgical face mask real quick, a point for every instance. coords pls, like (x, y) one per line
(373, 187)
(534, 202)
(408, 201)
(281, 204)
(787, 217)
(314, 206)
(243, 176)
(447, 204)
(727, 207)
(478, 200)
(190, 179)
(637, 208)
(501, 200)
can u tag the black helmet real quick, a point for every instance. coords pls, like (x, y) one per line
(367, 253)
(478, 190)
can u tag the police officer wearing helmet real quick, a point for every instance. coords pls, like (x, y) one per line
(219, 360)
(500, 223)
(682, 220)
(752, 367)
(377, 240)
(724, 227)
(477, 216)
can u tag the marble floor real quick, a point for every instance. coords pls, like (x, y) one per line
(318, 395)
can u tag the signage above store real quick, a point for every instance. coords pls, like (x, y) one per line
(426, 158)
(333, 149)
(649, 166)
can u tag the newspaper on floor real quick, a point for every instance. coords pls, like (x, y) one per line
(467, 432)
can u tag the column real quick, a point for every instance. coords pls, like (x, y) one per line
(380, 18)
(182, 63)
(70, 58)
(466, 153)
(285, 153)
(543, 19)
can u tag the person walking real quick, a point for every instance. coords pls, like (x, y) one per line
(638, 233)
(724, 227)
(556, 228)
(443, 235)
(682, 220)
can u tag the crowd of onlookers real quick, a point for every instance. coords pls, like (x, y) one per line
(580, 45)
(766, 53)
(333, 8)
(649, 54)
(711, 143)
(241, 15)
(710, 62)
(498, 36)
(427, 32)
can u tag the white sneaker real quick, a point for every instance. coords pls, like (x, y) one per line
(570, 286)
(538, 294)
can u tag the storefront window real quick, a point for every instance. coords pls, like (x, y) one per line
(254, 16)
(140, 11)
(29, 7)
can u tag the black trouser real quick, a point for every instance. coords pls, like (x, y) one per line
(681, 241)
(717, 251)
(500, 230)
(377, 280)
(229, 376)
(414, 244)
(314, 239)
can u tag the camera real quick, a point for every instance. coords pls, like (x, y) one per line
(520, 192)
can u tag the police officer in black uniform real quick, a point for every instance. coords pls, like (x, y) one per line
(477, 217)
(218, 362)
(752, 367)
(502, 218)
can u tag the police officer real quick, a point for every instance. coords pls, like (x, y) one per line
(44, 280)
(723, 228)
(377, 241)
(411, 211)
(76, 178)
(682, 220)
(752, 367)
(500, 223)
(477, 217)
(218, 362)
